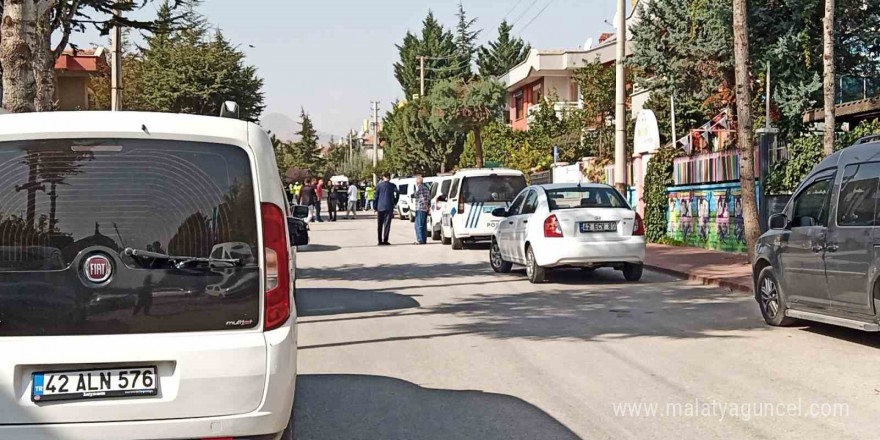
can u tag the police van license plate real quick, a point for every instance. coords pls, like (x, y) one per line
(599, 227)
(94, 384)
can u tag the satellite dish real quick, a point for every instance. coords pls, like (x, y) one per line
(588, 44)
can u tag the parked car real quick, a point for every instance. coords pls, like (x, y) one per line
(473, 196)
(568, 225)
(151, 209)
(439, 190)
(819, 259)
(404, 188)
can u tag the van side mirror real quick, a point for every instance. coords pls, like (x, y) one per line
(298, 230)
(778, 221)
(499, 212)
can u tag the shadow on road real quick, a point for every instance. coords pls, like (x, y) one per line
(868, 339)
(330, 301)
(359, 272)
(604, 307)
(342, 406)
(317, 248)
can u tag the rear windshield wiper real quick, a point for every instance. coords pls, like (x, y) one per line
(181, 261)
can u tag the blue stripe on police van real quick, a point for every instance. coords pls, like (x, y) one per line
(467, 222)
(479, 214)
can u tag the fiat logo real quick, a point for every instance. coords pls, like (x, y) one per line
(97, 269)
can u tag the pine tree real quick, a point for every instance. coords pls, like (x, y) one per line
(308, 152)
(465, 43)
(502, 54)
(436, 43)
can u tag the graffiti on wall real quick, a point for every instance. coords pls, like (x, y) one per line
(707, 217)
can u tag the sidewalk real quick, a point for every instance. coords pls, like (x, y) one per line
(724, 269)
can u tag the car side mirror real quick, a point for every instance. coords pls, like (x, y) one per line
(499, 212)
(778, 221)
(300, 212)
(298, 231)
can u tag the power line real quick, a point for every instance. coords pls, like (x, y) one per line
(536, 17)
(512, 9)
(524, 12)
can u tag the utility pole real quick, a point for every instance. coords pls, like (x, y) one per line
(375, 140)
(116, 64)
(620, 114)
(422, 76)
(350, 149)
(767, 109)
(672, 112)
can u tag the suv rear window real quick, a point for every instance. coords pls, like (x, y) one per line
(484, 189)
(584, 197)
(62, 201)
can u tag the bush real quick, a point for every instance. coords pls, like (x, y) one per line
(658, 177)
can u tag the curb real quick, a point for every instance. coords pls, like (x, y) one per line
(706, 281)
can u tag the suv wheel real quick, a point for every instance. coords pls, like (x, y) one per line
(771, 300)
(537, 274)
(632, 271)
(497, 261)
(457, 243)
(436, 235)
(446, 240)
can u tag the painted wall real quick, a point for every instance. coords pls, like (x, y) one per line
(707, 216)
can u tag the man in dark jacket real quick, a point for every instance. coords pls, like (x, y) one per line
(385, 201)
(307, 197)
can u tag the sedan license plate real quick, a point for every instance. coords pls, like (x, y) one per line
(94, 384)
(598, 227)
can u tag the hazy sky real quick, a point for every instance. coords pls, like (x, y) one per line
(334, 56)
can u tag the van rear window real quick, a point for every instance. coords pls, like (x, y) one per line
(483, 189)
(64, 200)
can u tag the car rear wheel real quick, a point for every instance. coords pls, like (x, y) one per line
(497, 261)
(537, 274)
(446, 240)
(633, 271)
(771, 300)
(457, 243)
(435, 235)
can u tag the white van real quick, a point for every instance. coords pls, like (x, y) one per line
(106, 330)
(405, 187)
(473, 195)
(439, 189)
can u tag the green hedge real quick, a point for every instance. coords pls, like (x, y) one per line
(658, 177)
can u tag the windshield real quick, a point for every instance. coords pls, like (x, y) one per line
(584, 197)
(484, 189)
(64, 200)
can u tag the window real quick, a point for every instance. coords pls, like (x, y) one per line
(575, 93)
(858, 195)
(584, 197)
(453, 192)
(518, 103)
(514, 207)
(402, 189)
(444, 188)
(482, 189)
(811, 205)
(531, 203)
(434, 187)
(537, 95)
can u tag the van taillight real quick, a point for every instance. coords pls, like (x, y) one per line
(638, 226)
(551, 227)
(277, 250)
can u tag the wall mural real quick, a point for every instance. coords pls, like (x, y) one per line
(707, 216)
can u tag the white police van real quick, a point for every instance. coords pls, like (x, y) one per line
(473, 195)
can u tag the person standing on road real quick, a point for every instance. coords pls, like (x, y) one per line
(385, 201)
(421, 201)
(351, 212)
(307, 197)
(319, 193)
(296, 189)
(332, 200)
(371, 193)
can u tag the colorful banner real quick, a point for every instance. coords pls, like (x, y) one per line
(707, 216)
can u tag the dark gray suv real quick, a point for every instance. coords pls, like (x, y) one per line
(819, 261)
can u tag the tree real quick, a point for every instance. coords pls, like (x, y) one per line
(502, 54)
(191, 70)
(828, 68)
(307, 152)
(745, 138)
(465, 42)
(438, 45)
(467, 106)
(30, 25)
(416, 143)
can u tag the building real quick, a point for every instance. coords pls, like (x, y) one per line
(73, 72)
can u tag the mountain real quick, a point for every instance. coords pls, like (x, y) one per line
(285, 127)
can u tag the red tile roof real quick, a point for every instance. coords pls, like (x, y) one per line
(87, 60)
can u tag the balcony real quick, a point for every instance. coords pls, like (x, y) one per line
(560, 107)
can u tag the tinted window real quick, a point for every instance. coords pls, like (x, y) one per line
(434, 187)
(402, 188)
(453, 192)
(858, 195)
(516, 205)
(531, 203)
(483, 189)
(584, 197)
(63, 200)
(811, 205)
(444, 187)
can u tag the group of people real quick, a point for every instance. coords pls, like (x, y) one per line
(387, 196)
(339, 197)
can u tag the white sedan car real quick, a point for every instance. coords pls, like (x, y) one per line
(568, 225)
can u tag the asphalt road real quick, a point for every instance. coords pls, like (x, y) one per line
(423, 342)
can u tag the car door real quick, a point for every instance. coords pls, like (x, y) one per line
(850, 243)
(802, 254)
(518, 239)
(507, 228)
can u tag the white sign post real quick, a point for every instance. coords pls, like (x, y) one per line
(647, 135)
